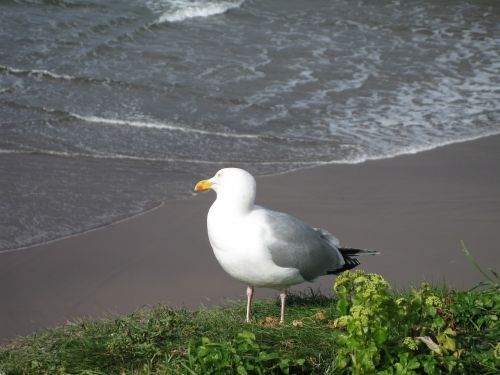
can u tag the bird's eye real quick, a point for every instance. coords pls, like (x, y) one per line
(219, 174)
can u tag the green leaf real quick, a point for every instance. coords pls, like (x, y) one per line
(188, 369)
(343, 304)
(380, 335)
(413, 364)
(246, 335)
(450, 344)
(268, 356)
(241, 370)
(284, 366)
(430, 366)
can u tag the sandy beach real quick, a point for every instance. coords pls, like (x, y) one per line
(415, 209)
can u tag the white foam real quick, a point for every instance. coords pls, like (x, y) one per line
(458, 105)
(158, 125)
(411, 150)
(37, 72)
(182, 10)
(357, 81)
(2, 151)
(303, 76)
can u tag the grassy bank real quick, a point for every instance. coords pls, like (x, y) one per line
(366, 328)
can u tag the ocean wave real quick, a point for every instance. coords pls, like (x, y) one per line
(182, 9)
(91, 154)
(36, 72)
(159, 125)
(360, 158)
(416, 149)
(152, 124)
(53, 3)
(47, 74)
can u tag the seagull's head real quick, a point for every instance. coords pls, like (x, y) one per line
(230, 183)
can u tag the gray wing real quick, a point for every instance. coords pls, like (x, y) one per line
(294, 244)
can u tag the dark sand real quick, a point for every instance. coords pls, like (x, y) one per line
(415, 209)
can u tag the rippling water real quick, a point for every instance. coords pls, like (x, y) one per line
(107, 108)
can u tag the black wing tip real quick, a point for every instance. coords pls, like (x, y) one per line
(349, 264)
(352, 251)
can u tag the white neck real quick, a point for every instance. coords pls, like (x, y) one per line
(237, 203)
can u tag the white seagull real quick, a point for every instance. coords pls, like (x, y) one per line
(265, 248)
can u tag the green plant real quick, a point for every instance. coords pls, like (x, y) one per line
(425, 331)
(365, 305)
(242, 355)
(388, 335)
(476, 313)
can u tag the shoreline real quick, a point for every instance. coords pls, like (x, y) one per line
(76, 234)
(419, 150)
(407, 207)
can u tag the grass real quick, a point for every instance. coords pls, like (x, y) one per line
(156, 339)
(416, 331)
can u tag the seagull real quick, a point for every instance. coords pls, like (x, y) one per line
(265, 248)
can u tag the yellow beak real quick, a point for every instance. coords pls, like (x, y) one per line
(203, 185)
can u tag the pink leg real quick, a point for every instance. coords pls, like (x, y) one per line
(249, 303)
(283, 301)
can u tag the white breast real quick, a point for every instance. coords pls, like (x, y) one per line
(238, 244)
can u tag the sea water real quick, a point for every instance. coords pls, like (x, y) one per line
(109, 107)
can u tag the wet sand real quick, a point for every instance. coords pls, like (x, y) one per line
(415, 209)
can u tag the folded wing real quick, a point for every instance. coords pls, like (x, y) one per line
(294, 244)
